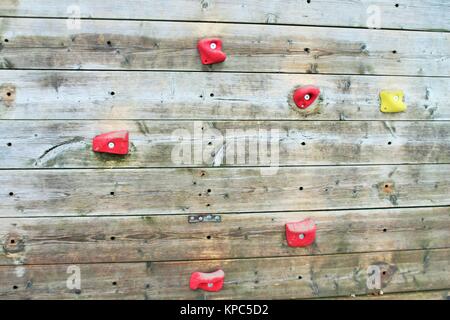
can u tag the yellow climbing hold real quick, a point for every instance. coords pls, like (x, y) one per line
(392, 101)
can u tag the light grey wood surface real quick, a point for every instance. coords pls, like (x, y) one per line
(150, 45)
(220, 190)
(168, 238)
(376, 184)
(68, 144)
(401, 14)
(281, 278)
(211, 96)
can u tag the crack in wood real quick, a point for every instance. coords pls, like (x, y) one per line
(56, 150)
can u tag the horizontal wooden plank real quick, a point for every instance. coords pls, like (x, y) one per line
(68, 144)
(402, 14)
(148, 45)
(221, 190)
(274, 278)
(211, 95)
(165, 238)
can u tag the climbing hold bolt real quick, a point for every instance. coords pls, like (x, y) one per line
(115, 142)
(301, 234)
(207, 281)
(305, 96)
(392, 101)
(211, 51)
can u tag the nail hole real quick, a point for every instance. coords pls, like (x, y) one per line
(6, 40)
(108, 43)
(386, 186)
(112, 193)
(301, 188)
(208, 237)
(390, 142)
(113, 238)
(8, 94)
(384, 272)
(384, 230)
(112, 93)
(394, 51)
(9, 144)
(11, 194)
(201, 96)
(308, 1)
(397, 5)
(114, 283)
(208, 205)
(15, 287)
(13, 241)
(300, 277)
(307, 50)
(209, 143)
(209, 190)
(303, 143)
(211, 95)
(199, 194)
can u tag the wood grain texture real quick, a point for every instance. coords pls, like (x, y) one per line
(144, 45)
(68, 144)
(415, 14)
(221, 190)
(211, 95)
(270, 278)
(168, 238)
(377, 186)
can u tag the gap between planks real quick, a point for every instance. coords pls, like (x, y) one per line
(219, 213)
(227, 71)
(225, 22)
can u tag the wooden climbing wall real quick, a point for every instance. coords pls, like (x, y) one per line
(376, 184)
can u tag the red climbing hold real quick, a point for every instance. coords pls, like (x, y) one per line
(300, 234)
(305, 96)
(112, 142)
(211, 51)
(207, 281)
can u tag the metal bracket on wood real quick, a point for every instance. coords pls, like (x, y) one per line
(205, 218)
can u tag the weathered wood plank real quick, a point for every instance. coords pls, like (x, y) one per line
(271, 278)
(344, 13)
(206, 95)
(143, 45)
(221, 190)
(68, 144)
(165, 238)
